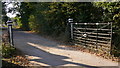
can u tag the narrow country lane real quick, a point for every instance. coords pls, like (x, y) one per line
(45, 52)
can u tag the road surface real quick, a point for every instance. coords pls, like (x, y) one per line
(44, 52)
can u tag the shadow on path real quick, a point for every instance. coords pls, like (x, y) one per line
(21, 42)
(54, 60)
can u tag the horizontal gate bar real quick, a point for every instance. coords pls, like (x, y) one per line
(94, 43)
(103, 42)
(99, 41)
(75, 32)
(99, 37)
(91, 29)
(92, 23)
(90, 45)
(91, 39)
(91, 35)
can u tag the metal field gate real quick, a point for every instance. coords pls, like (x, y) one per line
(92, 35)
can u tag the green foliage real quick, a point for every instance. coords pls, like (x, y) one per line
(51, 18)
(4, 17)
(7, 51)
(111, 12)
(116, 43)
(25, 13)
(17, 21)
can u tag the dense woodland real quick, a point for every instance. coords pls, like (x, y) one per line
(50, 18)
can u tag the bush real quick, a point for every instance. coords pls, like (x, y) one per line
(116, 44)
(7, 50)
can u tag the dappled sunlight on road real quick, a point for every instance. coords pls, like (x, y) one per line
(45, 52)
(35, 63)
(65, 61)
(59, 57)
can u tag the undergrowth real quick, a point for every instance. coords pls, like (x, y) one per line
(7, 51)
(116, 43)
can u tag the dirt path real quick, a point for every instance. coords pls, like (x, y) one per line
(45, 52)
